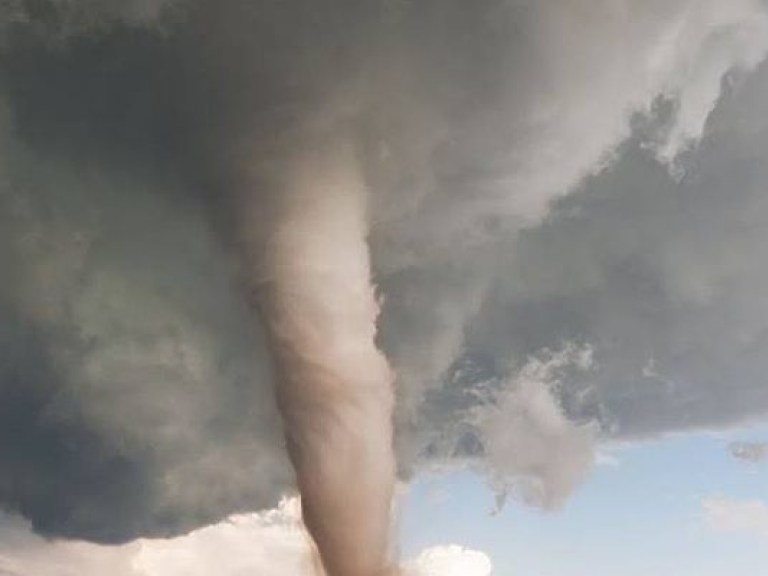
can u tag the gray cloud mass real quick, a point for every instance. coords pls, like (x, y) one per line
(548, 181)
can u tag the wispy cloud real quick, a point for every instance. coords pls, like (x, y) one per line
(723, 514)
(749, 451)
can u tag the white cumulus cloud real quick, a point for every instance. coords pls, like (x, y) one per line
(449, 561)
(269, 543)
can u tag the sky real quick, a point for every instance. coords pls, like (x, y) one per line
(469, 254)
(675, 506)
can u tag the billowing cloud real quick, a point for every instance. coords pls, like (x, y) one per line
(270, 543)
(449, 561)
(23, 553)
(541, 179)
(530, 447)
(659, 274)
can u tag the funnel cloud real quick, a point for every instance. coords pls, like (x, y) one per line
(334, 387)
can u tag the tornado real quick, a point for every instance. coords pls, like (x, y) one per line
(313, 289)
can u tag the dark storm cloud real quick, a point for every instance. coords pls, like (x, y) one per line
(135, 385)
(128, 364)
(660, 274)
